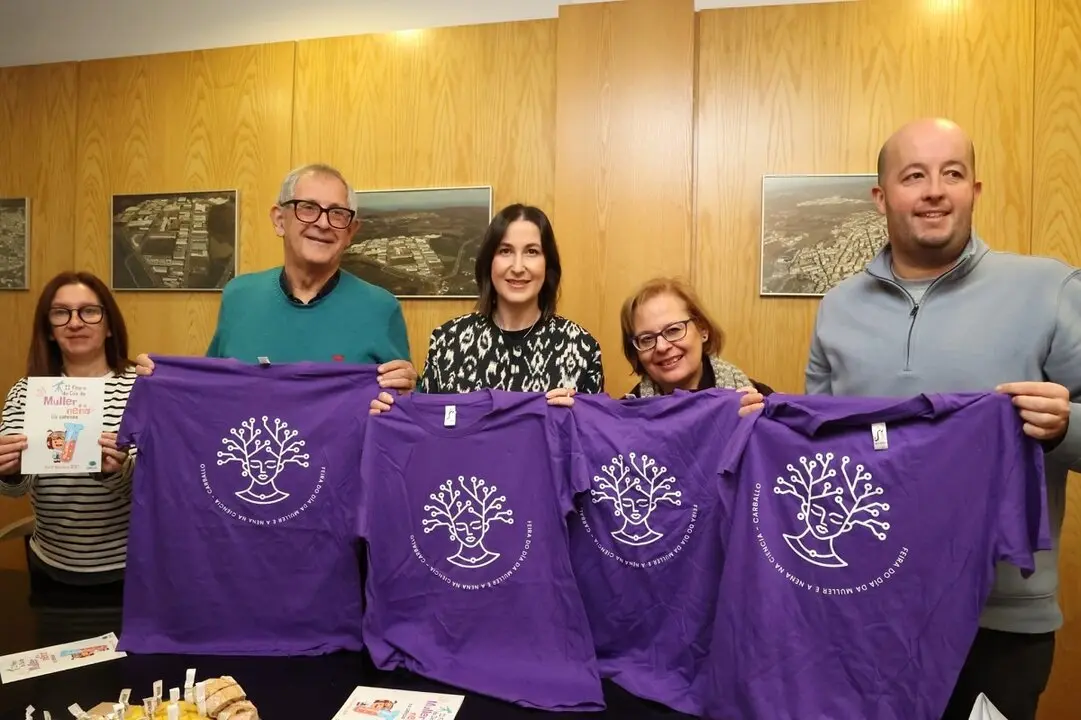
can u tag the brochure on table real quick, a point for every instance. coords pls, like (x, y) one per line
(368, 703)
(62, 424)
(65, 656)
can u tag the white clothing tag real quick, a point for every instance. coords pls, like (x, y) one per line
(878, 434)
(200, 697)
(449, 415)
(189, 685)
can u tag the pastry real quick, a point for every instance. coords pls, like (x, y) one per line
(222, 692)
(240, 710)
(225, 700)
(187, 710)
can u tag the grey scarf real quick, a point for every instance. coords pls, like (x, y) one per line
(725, 373)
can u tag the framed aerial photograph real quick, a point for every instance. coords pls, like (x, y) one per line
(420, 243)
(817, 230)
(183, 241)
(14, 243)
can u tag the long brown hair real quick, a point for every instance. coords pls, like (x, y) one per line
(45, 358)
(493, 236)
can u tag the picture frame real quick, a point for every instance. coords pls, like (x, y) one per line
(816, 231)
(420, 242)
(183, 241)
(15, 243)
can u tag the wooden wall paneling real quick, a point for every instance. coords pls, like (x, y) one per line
(446, 107)
(624, 158)
(209, 120)
(37, 147)
(1056, 220)
(37, 144)
(817, 89)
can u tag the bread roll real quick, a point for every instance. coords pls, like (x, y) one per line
(221, 693)
(225, 700)
(240, 710)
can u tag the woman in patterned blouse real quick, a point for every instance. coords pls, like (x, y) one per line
(514, 340)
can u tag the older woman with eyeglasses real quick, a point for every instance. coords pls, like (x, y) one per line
(80, 533)
(672, 343)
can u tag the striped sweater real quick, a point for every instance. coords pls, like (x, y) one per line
(80, 521)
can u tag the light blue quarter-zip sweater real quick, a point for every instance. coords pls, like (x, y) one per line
(995, 317)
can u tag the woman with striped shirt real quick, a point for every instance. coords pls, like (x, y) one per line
(80, 521)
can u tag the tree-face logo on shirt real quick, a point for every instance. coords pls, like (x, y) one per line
(263, 453)
(466, 510)
(263, 461)
(469, 525)
(635, 488)
(831, 506)
(635, 501)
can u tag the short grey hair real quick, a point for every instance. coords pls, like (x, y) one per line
(289, 185)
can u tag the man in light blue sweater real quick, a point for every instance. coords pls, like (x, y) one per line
(938, 311)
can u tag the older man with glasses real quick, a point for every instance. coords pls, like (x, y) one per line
(309, 309)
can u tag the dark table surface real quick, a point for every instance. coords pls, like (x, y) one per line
(307, 688)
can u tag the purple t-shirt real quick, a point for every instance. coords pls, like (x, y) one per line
(245, 492)
(465, 502)
(644, 543)
(862, 541)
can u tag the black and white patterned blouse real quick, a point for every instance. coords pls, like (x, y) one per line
(472, 353)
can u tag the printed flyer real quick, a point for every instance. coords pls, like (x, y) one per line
(368, 703)
(62, 425)
(32, 663)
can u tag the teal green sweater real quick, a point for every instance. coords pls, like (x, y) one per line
(357, 322)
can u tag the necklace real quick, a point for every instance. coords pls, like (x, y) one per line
(524, 335)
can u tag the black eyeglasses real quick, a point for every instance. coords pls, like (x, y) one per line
(673, 333)
(309, 212)
(89, 314)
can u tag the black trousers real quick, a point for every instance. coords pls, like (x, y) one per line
(45, 590)
(1011, 669)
